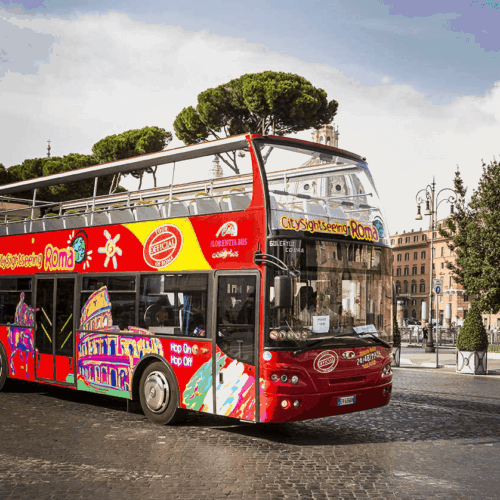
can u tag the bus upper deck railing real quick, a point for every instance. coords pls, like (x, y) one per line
(225, 194)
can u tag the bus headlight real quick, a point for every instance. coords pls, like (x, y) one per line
(387, 370)
(294, 379)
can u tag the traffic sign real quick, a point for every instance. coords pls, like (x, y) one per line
(437, 286)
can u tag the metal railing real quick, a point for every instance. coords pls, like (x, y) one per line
(445, 337)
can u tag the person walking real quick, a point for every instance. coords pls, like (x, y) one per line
(425, 331)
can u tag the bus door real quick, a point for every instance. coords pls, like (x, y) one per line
(54, 339)
(236, 344)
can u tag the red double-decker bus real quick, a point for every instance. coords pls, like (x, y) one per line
(261, 291)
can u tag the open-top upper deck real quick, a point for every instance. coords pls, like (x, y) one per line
(305, 184)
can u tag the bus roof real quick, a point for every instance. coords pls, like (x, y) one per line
(159, 158)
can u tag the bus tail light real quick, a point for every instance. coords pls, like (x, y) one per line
(285, 404)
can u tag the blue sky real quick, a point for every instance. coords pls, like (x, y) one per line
(418, 83)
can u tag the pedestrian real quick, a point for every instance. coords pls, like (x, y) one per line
(415, 333)
(424, 336)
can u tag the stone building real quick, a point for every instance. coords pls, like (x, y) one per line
(411, 277)
(411, 268)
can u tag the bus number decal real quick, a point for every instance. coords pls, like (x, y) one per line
(162, 246)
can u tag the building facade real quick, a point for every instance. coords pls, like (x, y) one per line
(410, 271)
(412, 264)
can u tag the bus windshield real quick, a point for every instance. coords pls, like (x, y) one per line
(342, 290)
(322, 186)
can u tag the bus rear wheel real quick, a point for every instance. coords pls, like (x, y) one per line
(3, 368)
(159, 394)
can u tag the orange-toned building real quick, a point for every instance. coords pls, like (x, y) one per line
(411, 268)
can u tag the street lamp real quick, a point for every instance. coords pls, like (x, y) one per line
(432, 203)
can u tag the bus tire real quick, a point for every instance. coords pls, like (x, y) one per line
(158, 394)
(4, 367)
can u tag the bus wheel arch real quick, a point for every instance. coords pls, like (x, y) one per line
(155, 386)
(4, 367)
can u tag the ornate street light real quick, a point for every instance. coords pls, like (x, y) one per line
(432, 203)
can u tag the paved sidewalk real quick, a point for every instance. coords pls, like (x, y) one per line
(413, 356)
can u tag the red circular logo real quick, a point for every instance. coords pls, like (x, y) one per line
(326, 361)
(163, 246)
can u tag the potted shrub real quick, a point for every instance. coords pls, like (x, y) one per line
(396, 342)
(472, 343)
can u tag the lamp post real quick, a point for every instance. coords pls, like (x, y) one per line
(432, 202)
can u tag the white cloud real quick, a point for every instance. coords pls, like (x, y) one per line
(105, 74)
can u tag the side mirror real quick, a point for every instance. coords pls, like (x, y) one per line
(283, 291)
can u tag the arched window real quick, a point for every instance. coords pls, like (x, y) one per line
(399, 257)
(422, 286)
(413, 286)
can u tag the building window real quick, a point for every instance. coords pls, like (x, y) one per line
(413, 287)
(407, 256)
(398, 271)
(422, 286)
(392, 242)
(442, 265)
(422, 255)
(415, 255)
(442, 251)
(466, 298)
(405, 287)
(415, 238)
(422, 269)
(399, 257)
(400, 240)
(398, 287)
(414, 270)
(414, 302)
(407, 271)
(424, 237)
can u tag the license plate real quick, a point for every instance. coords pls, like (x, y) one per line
(347, 400)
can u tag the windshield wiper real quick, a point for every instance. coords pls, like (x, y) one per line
(310, 347)
(378, 340)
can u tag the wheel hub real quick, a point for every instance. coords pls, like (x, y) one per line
(157, 392)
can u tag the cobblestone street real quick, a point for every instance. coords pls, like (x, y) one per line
(439, 438)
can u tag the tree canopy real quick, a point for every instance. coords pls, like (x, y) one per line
(111, 148)
(40, 167)
(268, 102)
(132, 143)
(474, 235)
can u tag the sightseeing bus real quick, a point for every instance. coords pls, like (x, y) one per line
(253, 282)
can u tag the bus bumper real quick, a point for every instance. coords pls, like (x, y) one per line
(294, 407)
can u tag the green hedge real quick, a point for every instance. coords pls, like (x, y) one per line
(494, 348)
(473, 336)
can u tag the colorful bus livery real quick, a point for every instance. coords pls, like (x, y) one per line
(262, 294)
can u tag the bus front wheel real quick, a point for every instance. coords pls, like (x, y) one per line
(159, 394)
